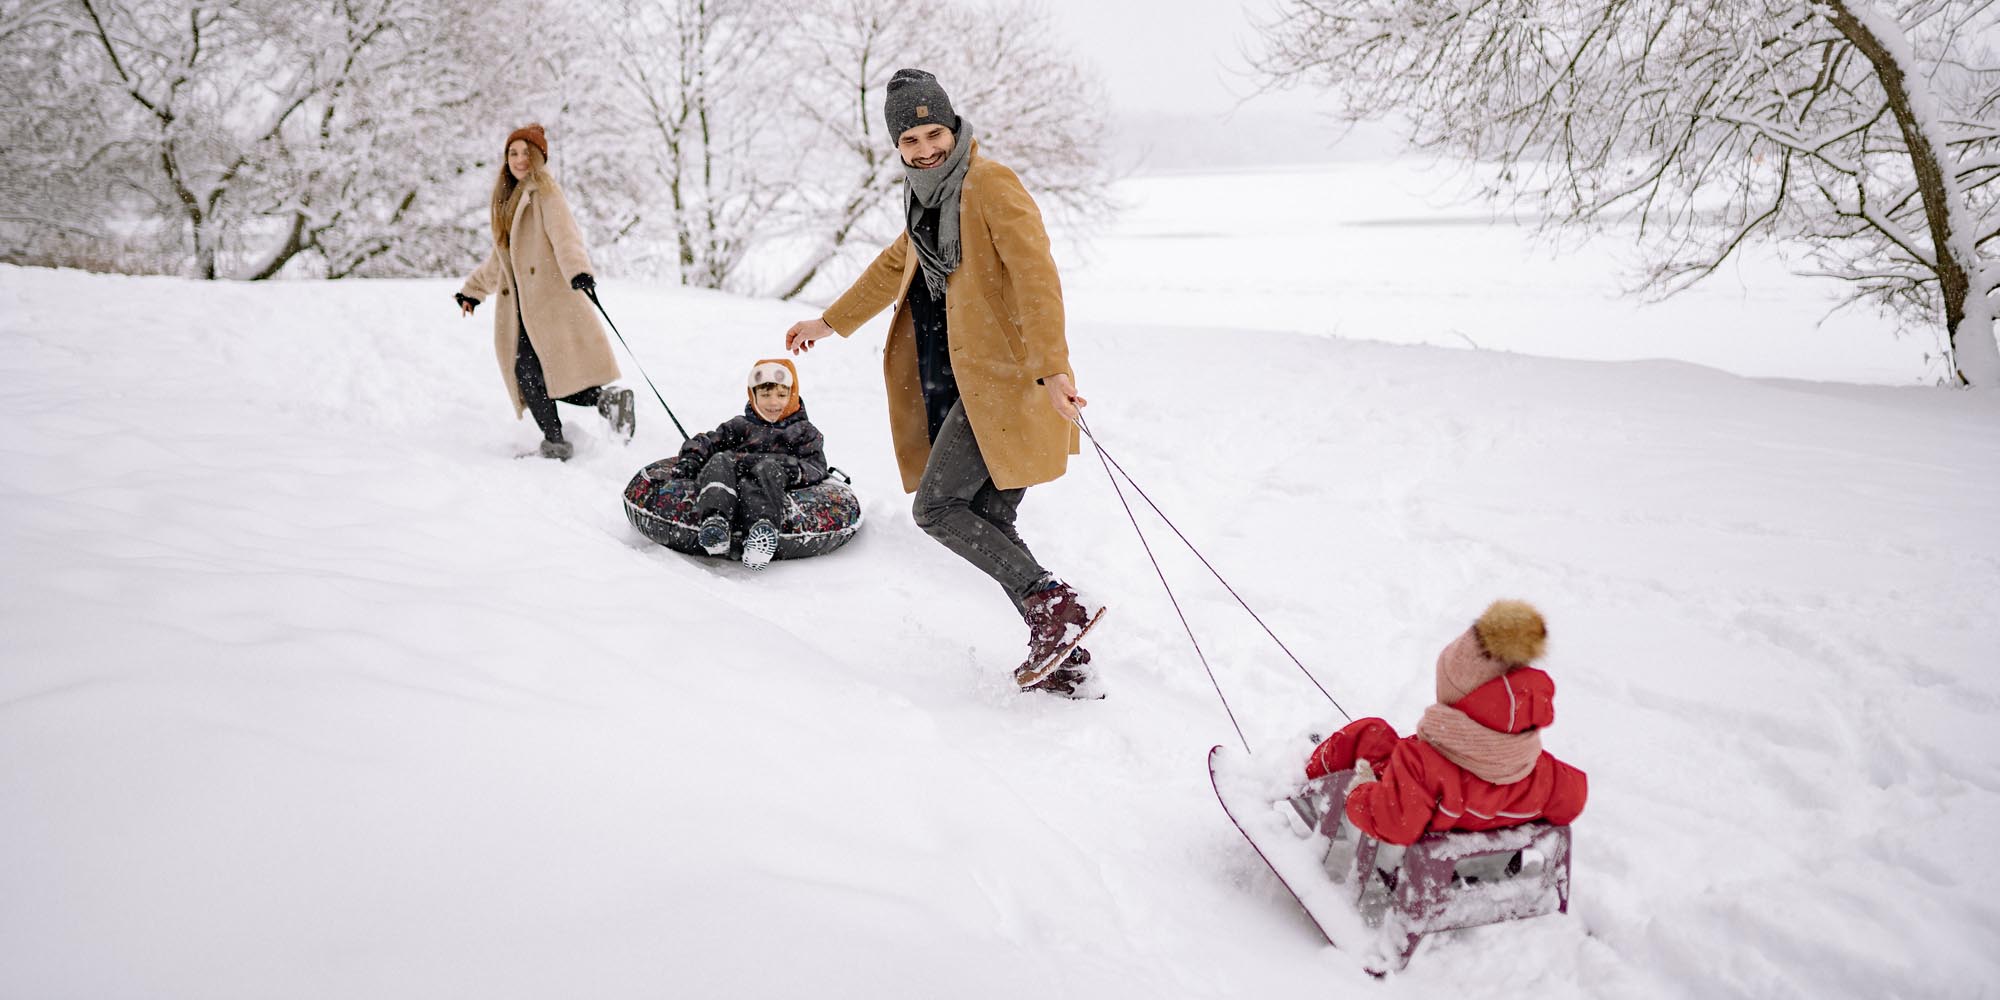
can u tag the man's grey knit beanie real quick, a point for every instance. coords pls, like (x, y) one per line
(915, 98)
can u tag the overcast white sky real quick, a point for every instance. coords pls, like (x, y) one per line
(1191, 57)
(1170, 55)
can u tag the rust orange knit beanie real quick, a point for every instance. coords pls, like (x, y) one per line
(532, 132)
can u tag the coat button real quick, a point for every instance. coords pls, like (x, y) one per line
(531, 270)
(503, 291)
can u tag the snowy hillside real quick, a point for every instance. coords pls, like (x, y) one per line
(1392, 251)
(309, 688)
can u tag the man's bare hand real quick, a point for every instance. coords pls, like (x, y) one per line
(802, 334)
(1062, 396)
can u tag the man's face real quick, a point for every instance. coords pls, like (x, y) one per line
(925, 146)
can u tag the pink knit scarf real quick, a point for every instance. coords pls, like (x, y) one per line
(1501, 758)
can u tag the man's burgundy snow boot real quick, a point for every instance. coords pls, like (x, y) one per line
(1057, 619)
(1073, 680)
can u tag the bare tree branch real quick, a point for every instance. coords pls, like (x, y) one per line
(1871, 141)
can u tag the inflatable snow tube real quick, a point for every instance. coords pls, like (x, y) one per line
(818, 518)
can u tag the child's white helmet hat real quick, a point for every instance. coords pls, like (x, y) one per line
(781, 372)
(770, 372)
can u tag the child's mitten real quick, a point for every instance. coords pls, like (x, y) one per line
(1364, 773)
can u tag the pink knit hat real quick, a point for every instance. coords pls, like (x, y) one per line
(1510, 634)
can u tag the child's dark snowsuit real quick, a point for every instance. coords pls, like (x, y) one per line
(748, 463)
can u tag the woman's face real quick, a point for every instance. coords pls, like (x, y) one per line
(925, 146)
(519, 159)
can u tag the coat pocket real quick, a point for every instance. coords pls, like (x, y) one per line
(1008, 326)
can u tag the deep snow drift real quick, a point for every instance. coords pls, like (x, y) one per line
(312, 689)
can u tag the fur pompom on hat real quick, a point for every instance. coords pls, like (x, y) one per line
(1510, 634)
(534, 136)
(775, 371)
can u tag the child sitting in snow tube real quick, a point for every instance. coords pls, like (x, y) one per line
(758, 480)
(1476, 761)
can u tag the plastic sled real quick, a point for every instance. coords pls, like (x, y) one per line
(1380, 900)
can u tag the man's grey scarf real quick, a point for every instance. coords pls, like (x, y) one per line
(938, 188)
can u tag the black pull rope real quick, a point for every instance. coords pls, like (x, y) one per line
(592, 293)
(1112, 463)
(1148, 546)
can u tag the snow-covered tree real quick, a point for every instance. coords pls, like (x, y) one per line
(208, 101)
(688, 144)
(58, 179)
(250, 138)
(1030, 103)
(1868, 137)
(844, 52)
(233, 139)
(1036, 107)
(371, 177)
(121, 100)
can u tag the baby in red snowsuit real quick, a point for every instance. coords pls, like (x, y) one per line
(1476, 761)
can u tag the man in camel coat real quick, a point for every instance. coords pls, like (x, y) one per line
(982, 400)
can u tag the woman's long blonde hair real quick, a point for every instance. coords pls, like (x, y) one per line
(507, 192)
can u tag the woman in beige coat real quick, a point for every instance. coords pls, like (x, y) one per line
(981, 396)
(549, 344)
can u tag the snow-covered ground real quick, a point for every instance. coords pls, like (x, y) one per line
(309, 688)
(1391, 251)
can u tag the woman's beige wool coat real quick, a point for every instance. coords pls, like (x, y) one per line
(544, 251)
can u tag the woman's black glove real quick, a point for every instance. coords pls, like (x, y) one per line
(583, 282)
(687, 467)
(465, 302)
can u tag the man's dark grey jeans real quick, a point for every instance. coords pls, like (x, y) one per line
(958, 505)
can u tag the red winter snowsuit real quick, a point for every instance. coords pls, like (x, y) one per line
(1419, 790)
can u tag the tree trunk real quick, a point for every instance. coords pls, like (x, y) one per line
(204, 254)
(197, 220)
(1975, 355)
(1977, 352)
(294, 242)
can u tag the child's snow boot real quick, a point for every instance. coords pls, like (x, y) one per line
(615, 406)
(759, 545)
(714, 535)
(557, 449)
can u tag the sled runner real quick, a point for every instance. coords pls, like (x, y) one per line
(818, 518)
(1379, 900)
